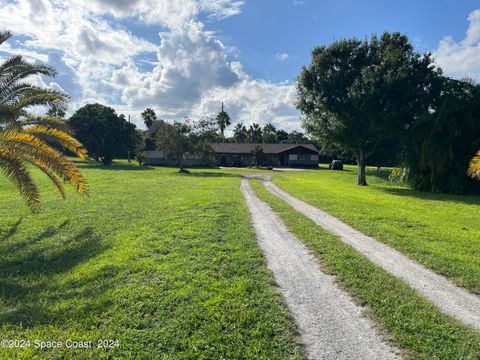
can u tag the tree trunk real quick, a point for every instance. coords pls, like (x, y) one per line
(362, 179)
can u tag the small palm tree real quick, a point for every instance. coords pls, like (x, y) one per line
(24, 139)
(255, 133)
(149, 117)
(223, 121)
(240, 133)
(474, 168)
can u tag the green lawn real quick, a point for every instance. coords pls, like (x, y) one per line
(412, 322)
(165, 263)
(440, 231)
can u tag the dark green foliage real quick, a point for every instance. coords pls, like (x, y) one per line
(257, 156)
(240, 133)
(150, 143)
(254, 134)
(356, 94)
(149, 117)
(183, 139)
(442, 141)
(296, 137)
(105, 134)
(223, 121)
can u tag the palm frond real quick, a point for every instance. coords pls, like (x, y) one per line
(22, 142)
(57, 181)
(47, 121)
(4, 36)
(474, 168)
(15, 170)
(59, 137)
(35, 98)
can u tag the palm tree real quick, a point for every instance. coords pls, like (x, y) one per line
(24, 139)
(255, 133)
(240, 133)
(149, 117)
(474, 168)
(223, 121)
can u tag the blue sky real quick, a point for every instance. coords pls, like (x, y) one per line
(184, 57)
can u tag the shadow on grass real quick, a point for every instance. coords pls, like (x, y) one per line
(27, 269)
(425, 195)
(123, 167)
(207, 174)
(10, 232)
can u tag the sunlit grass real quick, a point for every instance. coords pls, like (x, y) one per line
(440, 231)
(165, 263)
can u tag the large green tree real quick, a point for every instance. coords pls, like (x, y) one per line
(105, 134)
(442, 141)
(357, 93)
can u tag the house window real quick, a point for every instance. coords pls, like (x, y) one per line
(304, 157)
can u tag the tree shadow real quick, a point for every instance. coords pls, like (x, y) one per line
(425, 195)
(207, 174)
(114, 167)
(10, 232)
(28, 289)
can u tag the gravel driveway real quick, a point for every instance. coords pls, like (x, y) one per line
(331, 325)
(451, 299)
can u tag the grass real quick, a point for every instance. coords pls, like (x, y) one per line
(412, 322)
(440, 231)
(165, 263)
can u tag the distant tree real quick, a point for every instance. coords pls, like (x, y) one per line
(257, 156)
(296, 137)
(269, 134)
(240, 133)
(282, 136)
(355, 94)
(105, 134)
(182, 139)
(254, 134)
(149, 117)
(223, 121)
(150, 143)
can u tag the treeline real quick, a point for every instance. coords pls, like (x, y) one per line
(382, 102)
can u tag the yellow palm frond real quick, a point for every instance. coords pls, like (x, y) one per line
(57, 181)
(48, 121)
(22, 142)
(474, 168)
(15, 170)
(59, 137)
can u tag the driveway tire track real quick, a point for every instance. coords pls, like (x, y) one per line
(331, 325)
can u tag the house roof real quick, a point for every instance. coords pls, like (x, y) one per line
(244, 148)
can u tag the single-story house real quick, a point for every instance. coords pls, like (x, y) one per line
(278, 155)
(239, 155)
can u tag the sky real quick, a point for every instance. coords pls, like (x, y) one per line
(184, 57)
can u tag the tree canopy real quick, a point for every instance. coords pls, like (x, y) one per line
(105, 134)
(357, 93)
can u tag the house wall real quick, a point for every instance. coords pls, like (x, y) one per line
(158, 158)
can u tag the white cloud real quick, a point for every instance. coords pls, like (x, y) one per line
(282, 56)
(298, 3)
(100, 61)
(462, 59)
